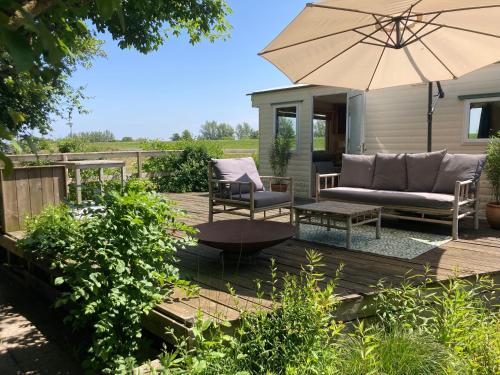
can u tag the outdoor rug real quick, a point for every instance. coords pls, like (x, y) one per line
(397, 243)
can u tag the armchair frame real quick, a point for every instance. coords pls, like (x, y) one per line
(223, 200)
(466, 203)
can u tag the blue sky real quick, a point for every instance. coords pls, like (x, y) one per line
(182, 86)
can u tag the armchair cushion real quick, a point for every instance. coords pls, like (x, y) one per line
(357, 170)
(266, 198)
(423, 169)
(458, 167)
(390, 172)
(238, 169)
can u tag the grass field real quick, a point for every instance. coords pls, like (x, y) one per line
(244, 144)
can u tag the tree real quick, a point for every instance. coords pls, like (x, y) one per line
(42, 40)
(319, 127)
(225, 131)
(175, 137)
(245, 131)
(186, 135)
(209, 130)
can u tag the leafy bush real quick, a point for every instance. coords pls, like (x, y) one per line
(71, 144)
(116, 265)
(493, 165)
(419, 329)
(184, 171)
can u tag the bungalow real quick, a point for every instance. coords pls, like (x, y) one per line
(391, 120)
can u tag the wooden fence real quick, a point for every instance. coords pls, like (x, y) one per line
(139, 155)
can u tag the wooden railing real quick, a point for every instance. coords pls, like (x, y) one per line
(59, 156)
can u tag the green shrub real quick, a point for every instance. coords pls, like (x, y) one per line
(184, 171)
(419, 329)
(115, 265)
(71, 144)
(493, 165)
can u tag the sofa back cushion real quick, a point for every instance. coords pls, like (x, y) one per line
(458, 167)
(238, 169)
(422, 170)
(357, 170)
(390, 172)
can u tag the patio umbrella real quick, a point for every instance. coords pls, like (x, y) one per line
(367, 45)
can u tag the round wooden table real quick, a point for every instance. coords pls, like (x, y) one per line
(238, 238)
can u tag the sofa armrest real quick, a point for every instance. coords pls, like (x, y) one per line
(279, 178)
(226, 186)
(325, 179)
(466, 192)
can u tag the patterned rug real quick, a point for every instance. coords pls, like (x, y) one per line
(397, 243)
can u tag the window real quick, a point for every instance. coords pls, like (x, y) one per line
(319, 132)
(287, 123)
(483, 119)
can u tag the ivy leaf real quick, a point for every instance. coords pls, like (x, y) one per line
(58, 280)
(19, 49)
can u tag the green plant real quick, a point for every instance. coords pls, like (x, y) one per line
(493, 165)
(71, 144)
(280, 154)
(183, 171)
(115, 266)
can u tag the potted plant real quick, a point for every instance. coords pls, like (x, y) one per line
(493, 172)
(279, 158)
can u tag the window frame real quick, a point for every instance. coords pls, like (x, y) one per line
(297, 122)
(467, 104)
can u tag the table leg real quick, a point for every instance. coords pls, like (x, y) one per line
(379, 223)
(78, 181)
(297, 224)
(349, 233)
(101, 179)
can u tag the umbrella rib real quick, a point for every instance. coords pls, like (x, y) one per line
(385, 31)
(436, 57)
(312, 5)
(460, 29)
(318, 38)
(459, 9)
(427, 23)
(382, 43)
(380, 57)
(337, 55)
(414, 40)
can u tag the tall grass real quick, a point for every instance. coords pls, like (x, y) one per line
(419, 329)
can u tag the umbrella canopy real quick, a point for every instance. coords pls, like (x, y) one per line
(374, 44)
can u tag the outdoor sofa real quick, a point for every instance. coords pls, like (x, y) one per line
(235, 187)
(434, 187)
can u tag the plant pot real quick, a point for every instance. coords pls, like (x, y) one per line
(493, 214)
(279, 187)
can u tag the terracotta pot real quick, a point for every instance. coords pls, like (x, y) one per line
(279, 187)
(493, 215)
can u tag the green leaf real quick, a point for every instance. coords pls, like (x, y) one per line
(108, 7)
(58, 280)
(7, 164)
(19, 49)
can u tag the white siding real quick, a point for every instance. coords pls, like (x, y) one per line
(300, 165)
(396, 118)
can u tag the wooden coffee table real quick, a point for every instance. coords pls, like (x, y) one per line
(338, 215)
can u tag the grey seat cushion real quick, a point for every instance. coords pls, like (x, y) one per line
(266, 198)
(422, 170)
(238, 169)
(321, 155)
(357, 170)
(390, 172)
(458, 167)
(389, 198)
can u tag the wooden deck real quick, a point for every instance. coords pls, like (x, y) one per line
(476, 253)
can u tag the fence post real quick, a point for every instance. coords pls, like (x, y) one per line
(66, 174)
(139, 164)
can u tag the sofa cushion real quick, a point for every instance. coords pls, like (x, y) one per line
(266, 198)
(458, 167)
(390, 172)
(357, 170)
(238, 169)
(388, 198)
(422, 170)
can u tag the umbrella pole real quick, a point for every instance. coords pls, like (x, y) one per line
(429, 118)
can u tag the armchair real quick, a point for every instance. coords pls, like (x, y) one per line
(235, 187)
